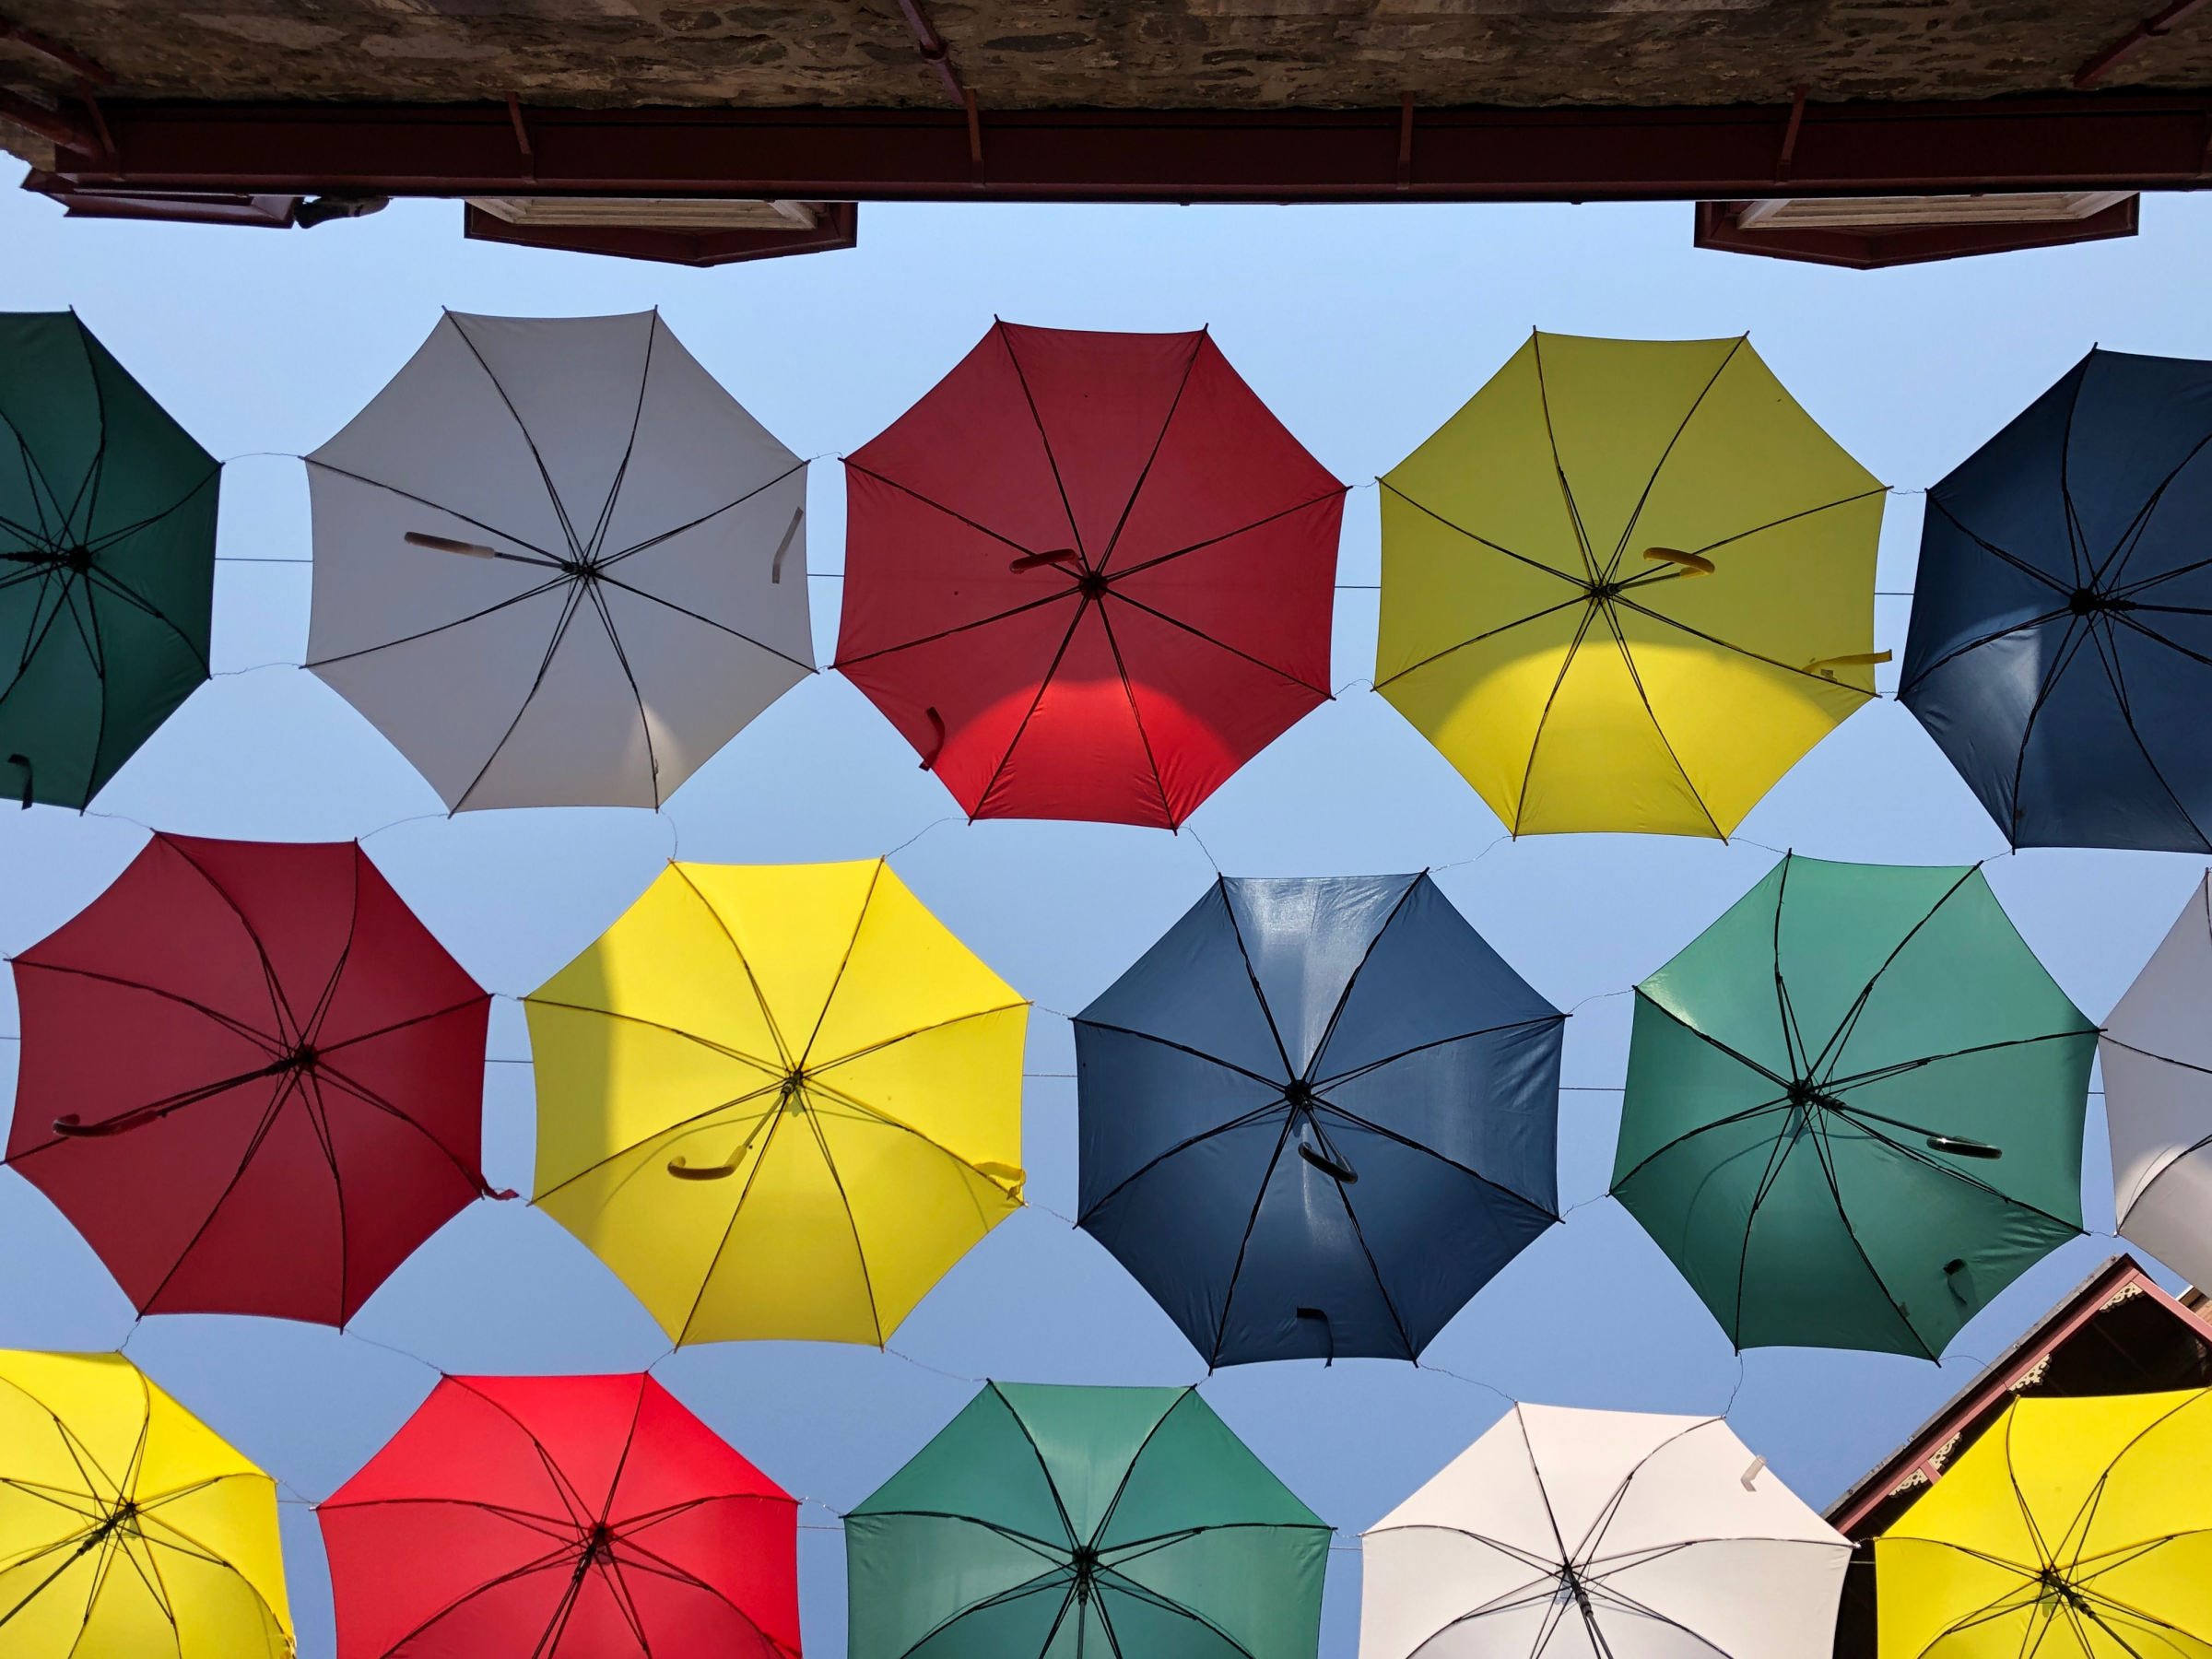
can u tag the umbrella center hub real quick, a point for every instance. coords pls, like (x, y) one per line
(1091, 584)
(2054, 1583)
(301, 1059)
(1808, 1096)
(792, 1096)
(1300, 1094)
(1085, 1564)
(600, 1543)
(1570, 1587)
(1600, 592)
(2088, 602)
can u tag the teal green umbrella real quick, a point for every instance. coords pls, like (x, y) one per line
(1111, 1522)
(107, 561)
(1855, 1108)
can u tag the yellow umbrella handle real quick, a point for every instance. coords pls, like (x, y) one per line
(684, 1171)
(1690, 564)
(1826, 667)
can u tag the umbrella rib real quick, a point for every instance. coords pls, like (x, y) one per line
(1189, 367)
(1183, 1048)
(543, 588)
(1559, 471)
(1792, 1039)
(1227, 536)
(1390, 1304)
(2069, 647)
(1777, 1154)
(1627, 658)
(1257, 1115)
(1828, 1170)
(660, 1567)
(2131, 536)
(535, 1565)
(773, 1121)
(560, 509)
(1138, 1591)
(1580, 599)
(1253, 977)
(2140, 584)
(1581, 584)
(1129, 1469)
(253, 1150)
(860, 920)
(602, 579)
(1236, 1269)
(922, 1031)
(1340, 1078)
(1567, 658)
(1137, 715)
(979, 529)
(1014, 1593)
(606, 620)
(568, 607)
(155, 1110)
(546, 555)
(563, 1488)
(1742, 650)
(637, 415)
(318, 1120)
(846, 663)
(1651, 483)
(1412, 1145)
(860, 1252)
(1847, 1027)
(1328, 1030)
(2041, 620)
(775, 1032)
(1045, 438)
(290, 1028)
(704, 518)
(1044, 1469)
(1036, 702)
(1200, 633)
(1882, 1073)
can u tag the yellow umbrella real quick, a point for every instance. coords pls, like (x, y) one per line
(2072, 1529)
(779, 1100)
(128, 1528)
(1628, 585)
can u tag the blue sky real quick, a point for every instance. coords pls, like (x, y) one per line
(1364, 328)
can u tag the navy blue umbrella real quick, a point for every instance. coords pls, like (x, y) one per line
(2061, 650)
(1317, 1116)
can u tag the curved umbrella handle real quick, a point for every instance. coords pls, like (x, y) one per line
(1826, 667)
(1690, 564)
(1328, 1166)
(76, 1129)
(936, 721)
(1030, 562)
(684, 1171)
(23, 761)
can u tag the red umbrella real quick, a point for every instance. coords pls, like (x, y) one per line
(562, 1518)
(1088, 575)
(250, 1078)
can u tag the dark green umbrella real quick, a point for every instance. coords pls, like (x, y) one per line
(107, 561)
(1112, 1522)
(1855, 1108)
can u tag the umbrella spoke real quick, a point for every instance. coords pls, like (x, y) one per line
(1227, 536)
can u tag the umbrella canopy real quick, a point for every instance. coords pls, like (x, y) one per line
(562, 1518)
(1601, 1535)
(107, 561)
(250, 1078)
(1628, 585)
(128, 1529)
(2072, 1529)
(779, 1100)
(2157, 1057)
(1088, 575)
(1855, 1108)
(1058, 1522)
(2061, 648)
(557, 564)
(1317, 1117)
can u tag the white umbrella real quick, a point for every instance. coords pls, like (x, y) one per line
(1602, 1535)
(2156, 1055)
(557, 564)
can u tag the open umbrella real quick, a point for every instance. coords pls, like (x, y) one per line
(557, 564)
(250, 1078)
(107, 561)
(128, 1529)
(1601, 1535)
(1088, 575)
(1317, 1117)
(1855, 1108)
(2156, 1053)
(2071, 1529)
(562, 1518)
(778, 1100)
(1117, 1522)
(2061, 648)
(1628, 585)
